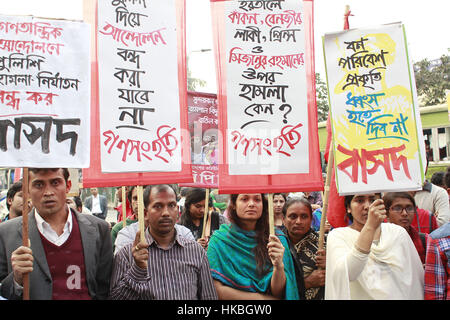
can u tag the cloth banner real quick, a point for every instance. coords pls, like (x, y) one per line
(378, 140)
(267, 109)
(139, 100)
(44, 94)
(203, 129)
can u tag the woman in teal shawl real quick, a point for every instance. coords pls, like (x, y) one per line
(246, 263)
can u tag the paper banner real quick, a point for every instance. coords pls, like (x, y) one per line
(44, 94)
(203, 129)
(374, 111)
(267, 108)
(130, 171)
(138, 86)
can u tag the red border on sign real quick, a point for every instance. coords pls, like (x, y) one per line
(197, 184)
(311, 181)
(93, 176)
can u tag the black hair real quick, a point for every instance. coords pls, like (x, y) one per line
(292, 201)
(66, 172)
(438, 178)
(389, 197)
(193, 196)
(159, 187)
(347, 201)
(261, 229)
(78, 202)
(184, 191)
(13, 189)
(281, 194)
(447, 178)
(129, 193)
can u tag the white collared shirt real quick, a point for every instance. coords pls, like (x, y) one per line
(47, 231)
(96, 205)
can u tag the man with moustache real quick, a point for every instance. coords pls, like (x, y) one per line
(70, 254)
(166, 265)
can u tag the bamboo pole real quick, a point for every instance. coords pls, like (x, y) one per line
(330, 161)
(206, 215)
(325, 196)
(208, 226)
(271, 217)
(141, 212)
(124, 207)
(25, 242)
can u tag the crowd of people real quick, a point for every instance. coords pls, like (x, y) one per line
(396, 245)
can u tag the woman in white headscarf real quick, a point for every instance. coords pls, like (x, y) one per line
(370, 259)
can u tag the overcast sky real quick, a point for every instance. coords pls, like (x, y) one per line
(427, 25)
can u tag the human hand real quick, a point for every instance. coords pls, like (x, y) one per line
(22, 263)
(315, 279)
(321, 259)
(376, 214)
(276, 251)
(140, 251)
(203, 242)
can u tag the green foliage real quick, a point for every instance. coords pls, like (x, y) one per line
(432, 82)
(321, 99)
(434, 168)
(193, 83)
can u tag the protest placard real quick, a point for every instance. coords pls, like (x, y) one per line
(203, 129)
(138, 86)
(377, 134)
(44, 94)
(140, 125)
(268, 118)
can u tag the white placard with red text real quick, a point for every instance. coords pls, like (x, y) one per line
(138, 86)
(377, 132)
(44, 92)
(267, 110)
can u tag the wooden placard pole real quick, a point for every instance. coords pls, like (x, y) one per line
(206, 215)
(271, 217)
(325, 196)
(25, 242)
(124, 207)
(141, 221)
(270, 203)
(347, 13)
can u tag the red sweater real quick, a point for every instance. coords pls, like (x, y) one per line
(415, 237)
(66, 264)
(424, 221)
(129, 211)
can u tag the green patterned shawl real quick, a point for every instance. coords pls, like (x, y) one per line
(232, 261)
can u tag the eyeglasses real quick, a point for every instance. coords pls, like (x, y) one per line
(399, 209)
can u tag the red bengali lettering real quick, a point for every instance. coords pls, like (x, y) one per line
(289, 137)
(36, 97)
(139, 38)
(41, 29)
(162, 147)
(288, 17)
(243, 18)
(9, 98)
(385, 158)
